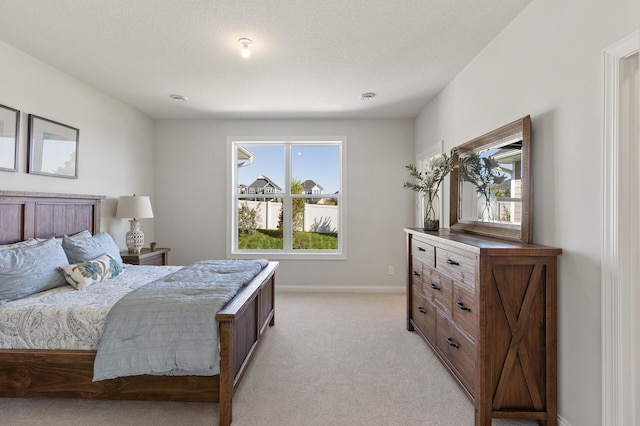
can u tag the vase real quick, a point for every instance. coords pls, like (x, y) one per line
(431, 213)
(487, 208)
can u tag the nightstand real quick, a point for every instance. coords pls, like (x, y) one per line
(159, 256)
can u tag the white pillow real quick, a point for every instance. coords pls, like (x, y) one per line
(83, 274)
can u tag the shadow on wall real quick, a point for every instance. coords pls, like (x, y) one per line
(545, 162)
(323, 225)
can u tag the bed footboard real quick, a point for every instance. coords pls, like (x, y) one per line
(242, 323)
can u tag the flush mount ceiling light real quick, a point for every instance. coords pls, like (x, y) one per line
(367, 96)
(179, 98)
(245, 42)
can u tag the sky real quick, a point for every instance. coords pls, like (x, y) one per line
(318, 163)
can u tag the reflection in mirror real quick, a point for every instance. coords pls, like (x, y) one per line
(490, 192)
(491, 184)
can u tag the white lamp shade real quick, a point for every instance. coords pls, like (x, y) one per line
(134, 207)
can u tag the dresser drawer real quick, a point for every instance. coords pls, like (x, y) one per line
(424, 315)
(464, 311)
(457, 266)
(439, 288)
(423, 251)
(417, 272)
(458, 350)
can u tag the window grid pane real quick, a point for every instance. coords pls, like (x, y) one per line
(299, 217)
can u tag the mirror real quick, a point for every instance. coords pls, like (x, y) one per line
(490, 190)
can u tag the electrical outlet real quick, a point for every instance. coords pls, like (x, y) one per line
(390, 270)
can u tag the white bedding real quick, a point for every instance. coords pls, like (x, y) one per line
(65, 318)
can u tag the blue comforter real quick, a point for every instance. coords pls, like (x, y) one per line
(168, 326)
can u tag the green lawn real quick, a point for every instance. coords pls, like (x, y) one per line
(272, 239)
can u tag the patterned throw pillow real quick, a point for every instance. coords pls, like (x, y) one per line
(83, 274)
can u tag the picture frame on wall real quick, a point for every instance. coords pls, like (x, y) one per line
(9, 132)
(53, 148)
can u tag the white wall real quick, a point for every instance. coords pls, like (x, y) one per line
(548, 63)
(115, 147)
(191, 161)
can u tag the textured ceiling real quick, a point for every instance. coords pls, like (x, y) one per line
(310, 58)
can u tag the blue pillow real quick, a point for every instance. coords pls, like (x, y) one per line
(87, 249)
(32, 269)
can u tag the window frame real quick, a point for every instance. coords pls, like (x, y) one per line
(233, 195)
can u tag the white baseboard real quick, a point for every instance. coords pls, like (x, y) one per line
(339, 289)
(563, 422)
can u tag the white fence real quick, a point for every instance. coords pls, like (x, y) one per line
(317, 217)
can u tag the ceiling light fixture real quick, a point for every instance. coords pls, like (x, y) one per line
(179, 98)
(245, 42)
(367, 96)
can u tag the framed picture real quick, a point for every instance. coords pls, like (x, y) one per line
(53, 148)
(9, 129)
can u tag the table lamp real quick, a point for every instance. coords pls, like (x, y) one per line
(134, 207)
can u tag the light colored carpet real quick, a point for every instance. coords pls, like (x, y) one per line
(331, 359)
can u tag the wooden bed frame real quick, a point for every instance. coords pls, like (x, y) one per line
(68, 374)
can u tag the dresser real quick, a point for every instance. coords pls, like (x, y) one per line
(487, 309)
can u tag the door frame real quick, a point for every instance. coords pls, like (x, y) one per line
(620, 252)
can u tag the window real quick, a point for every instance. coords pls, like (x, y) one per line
(295, 203)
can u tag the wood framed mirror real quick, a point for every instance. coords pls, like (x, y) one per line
(491, 189)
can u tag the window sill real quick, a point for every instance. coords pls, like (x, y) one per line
(255, 254)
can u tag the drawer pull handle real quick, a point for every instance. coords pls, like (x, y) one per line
(450, 342)
(421, 310)
(416, 273)
(421, 249)
(452, 262)
(435, 287)
(463, 306)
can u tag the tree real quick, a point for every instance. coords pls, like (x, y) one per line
(248, 219)
(297, 207)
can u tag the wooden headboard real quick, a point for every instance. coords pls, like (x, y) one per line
(43, 215)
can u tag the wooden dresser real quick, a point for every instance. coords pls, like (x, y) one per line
(487, 308)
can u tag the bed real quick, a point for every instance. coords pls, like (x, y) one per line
(29, 373)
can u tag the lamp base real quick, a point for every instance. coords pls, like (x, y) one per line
(135, 237)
